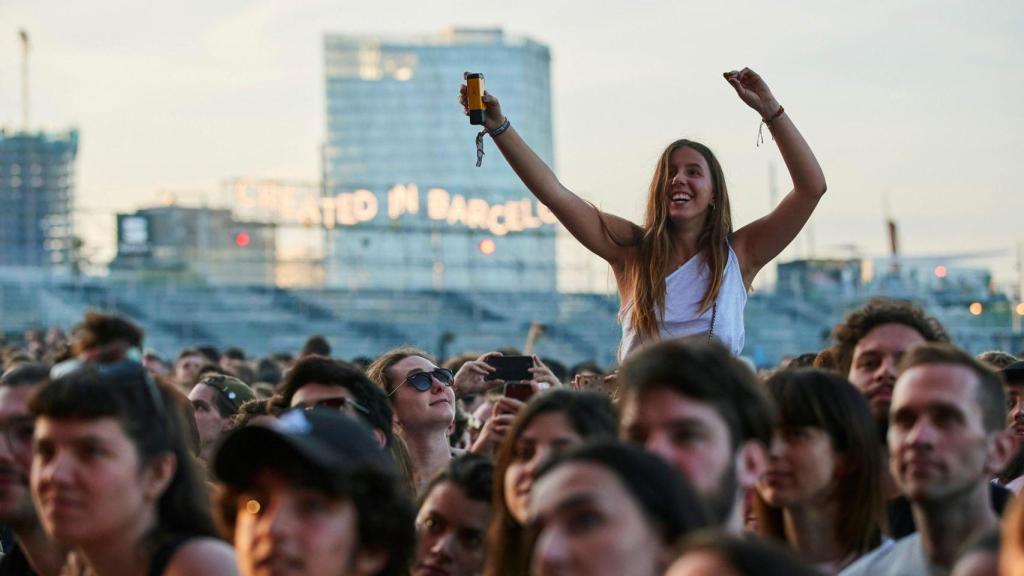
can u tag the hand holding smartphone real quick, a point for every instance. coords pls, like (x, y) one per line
(510, 368)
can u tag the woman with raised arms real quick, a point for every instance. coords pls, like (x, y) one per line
(684, 271)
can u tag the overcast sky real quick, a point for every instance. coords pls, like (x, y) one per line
(916, 102)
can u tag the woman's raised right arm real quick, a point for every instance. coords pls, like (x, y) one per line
(580, 218)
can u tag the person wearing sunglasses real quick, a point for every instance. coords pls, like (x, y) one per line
(33, 551)
(423, 401)
(320, 382)
(215, 399)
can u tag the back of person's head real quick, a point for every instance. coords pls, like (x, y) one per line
(268, 371)
(989, 391)
(811, 398)
(472, 473)
(557, 368)
(704, 372)
(996, 360)
(25, 375)
(153, 418)
(210, 352)
(234, 353)
(805, 360)
(329, 372)
(711, 552)
(877, 312)
(315, 345)
(105, 333)
(661, 492)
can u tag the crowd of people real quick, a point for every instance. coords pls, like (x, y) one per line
(890, 452)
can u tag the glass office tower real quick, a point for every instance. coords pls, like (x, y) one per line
(404, 203)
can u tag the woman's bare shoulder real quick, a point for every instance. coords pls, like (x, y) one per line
(203, 556)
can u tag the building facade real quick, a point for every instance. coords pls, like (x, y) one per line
(37, 192)
(198, 245)
(409, 207)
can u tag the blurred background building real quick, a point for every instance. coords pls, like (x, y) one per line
(37, 193)
(394, 129)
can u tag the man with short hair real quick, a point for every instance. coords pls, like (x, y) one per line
(695, 405)
(34, 552)
(319, 381)
(215, 399)
(452, 522)
(231, 360)
(947, 438)
(870, 342)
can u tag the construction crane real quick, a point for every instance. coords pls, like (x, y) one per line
(23, 34)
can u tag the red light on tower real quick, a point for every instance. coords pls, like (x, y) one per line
(242, 239)
(940, 271)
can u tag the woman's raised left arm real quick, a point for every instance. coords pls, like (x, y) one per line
(762, 240)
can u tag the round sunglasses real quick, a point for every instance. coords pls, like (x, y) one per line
(422, 381)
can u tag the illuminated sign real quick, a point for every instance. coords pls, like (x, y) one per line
(302, 204)
(133, 234)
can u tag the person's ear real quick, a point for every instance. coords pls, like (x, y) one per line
(382, 440)
(1000, 448)
(751, 463)
(158, 475)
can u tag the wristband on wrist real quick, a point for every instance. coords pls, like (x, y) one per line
(768, 121)
(500, 129)
(480, 139)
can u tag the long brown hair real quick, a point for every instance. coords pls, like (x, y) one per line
(591, 416)
(646, 273)
(827, 401)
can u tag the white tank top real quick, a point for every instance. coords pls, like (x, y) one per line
(684, 290)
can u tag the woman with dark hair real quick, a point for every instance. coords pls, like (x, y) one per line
(549, 424)
(684, 271)
(607, 508)
(822, 495)
(113, 480)
(710, 552)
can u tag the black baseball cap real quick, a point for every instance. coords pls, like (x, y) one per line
(330, 442)
(1014, 373)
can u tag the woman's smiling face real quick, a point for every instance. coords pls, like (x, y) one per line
(690, 191)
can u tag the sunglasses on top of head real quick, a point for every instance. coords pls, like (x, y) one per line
(423, 381)
(340, 403)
